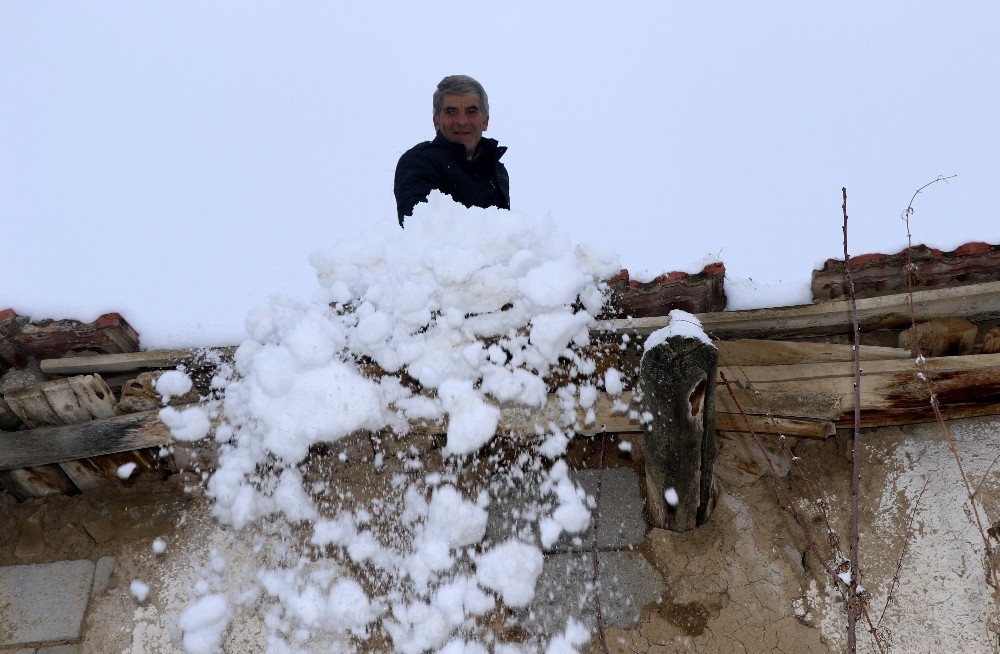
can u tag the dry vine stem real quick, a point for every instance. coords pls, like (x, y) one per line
(855, 606)
(924, 376)
(853, 601)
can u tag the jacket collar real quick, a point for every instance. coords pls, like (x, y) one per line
(486, 146)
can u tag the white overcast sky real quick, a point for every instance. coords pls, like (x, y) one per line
(178, 161)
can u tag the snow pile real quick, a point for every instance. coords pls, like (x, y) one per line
(474, 305)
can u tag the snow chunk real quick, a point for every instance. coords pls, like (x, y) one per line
(348, 608)
(189, 424)
(552, 332)
(461, 598)
(173, 383)
(125, 470)
(554, 445)
(570, 640)
(471, 422)
(417, 627)
(139, 590)
(570, 514)
(511, 569)
(454, 520)
(613, 383)
(553, 283)
(203, 623)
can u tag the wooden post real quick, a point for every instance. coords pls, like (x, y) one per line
(677, 379)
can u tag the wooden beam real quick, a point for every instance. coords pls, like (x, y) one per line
(43, 445)
(887, 387)
(761, 424)
(801, 399)
(797, 373)
(799, 403)
(834, 317)
(763, 352)
(131, 361)
(33, 447)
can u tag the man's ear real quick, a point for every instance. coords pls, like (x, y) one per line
(436, 128)
(486, 123)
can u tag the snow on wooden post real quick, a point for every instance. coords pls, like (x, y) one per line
(677, 379)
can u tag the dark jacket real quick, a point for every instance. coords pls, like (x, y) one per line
(441, 164)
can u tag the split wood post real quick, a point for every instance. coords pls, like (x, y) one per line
(677, 379)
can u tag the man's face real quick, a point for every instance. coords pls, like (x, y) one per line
(461, 120)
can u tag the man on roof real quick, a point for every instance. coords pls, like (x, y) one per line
(459, 161)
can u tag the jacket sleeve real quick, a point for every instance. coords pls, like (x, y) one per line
(415, 177)
(503, 181)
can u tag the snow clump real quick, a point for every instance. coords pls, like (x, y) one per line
(441, 323)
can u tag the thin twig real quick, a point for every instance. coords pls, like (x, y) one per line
(924, 376)
(852, 595)
(986, 474)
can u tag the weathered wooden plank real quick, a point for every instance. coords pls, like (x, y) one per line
(800, 403)
(891, 393)
(93, 395)
(139, 430)
(761, 424)
(32, 407)
(888, 386)
(132, 361)
(745, 351)
(63, 401)
(834, 317)
(799, 373)
(608, 416)
(105, 436)
(922, 414)
(762, 352)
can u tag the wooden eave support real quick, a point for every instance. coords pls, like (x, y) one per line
(678, 389)
(834, 317)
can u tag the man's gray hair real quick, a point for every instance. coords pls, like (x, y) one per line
(460, 85)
